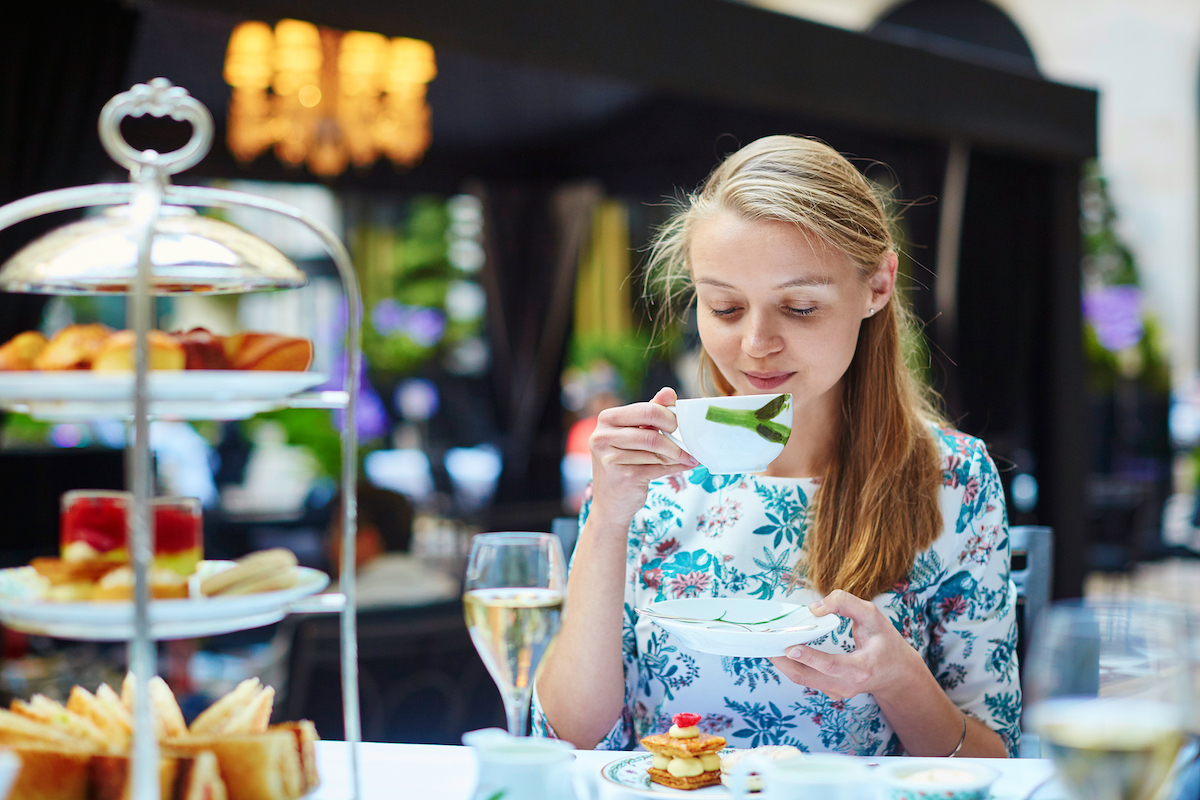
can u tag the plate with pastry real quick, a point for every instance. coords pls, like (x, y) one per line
(682, 760)
(739, 627)
(76, 600)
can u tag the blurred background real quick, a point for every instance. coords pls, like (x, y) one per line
(496, 170)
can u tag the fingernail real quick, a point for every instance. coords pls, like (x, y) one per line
(816, 605)
(796, 653)
(693, 461)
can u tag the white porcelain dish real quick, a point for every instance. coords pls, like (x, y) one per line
(937, 779)
(181, 385)
(169, 619)
(756, 634)
(630, 774)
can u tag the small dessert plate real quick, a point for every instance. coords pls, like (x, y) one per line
(739, 627)
(630, 773)
(917, 779)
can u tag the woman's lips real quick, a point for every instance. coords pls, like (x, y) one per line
(766, 381)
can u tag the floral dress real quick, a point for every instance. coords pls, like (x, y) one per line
(704, 535)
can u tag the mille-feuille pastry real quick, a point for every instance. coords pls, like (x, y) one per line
(685, 758)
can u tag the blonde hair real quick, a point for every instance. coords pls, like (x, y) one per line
(877, 504)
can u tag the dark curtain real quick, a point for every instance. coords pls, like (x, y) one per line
(532, 235)
(59, 63)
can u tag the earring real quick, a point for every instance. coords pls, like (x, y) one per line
(870, 312)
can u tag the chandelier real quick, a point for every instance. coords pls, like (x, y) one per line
(327, 98)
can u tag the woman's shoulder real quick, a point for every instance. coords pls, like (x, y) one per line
(957, 449)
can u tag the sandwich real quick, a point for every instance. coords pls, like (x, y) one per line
(254, 766)
(685, 758)
(181, 777)
(168, 719)
(51, 772)
(80, 750)
(246, 709)
(55, 714)
(106, 711)
(258, 761)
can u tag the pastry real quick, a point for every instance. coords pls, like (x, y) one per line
(685, 758)
(776, 752)
(19, 352)
(268, 351)
(116, 353)
(72, 348)
(165, 584)
(261, 571)
(202, 349)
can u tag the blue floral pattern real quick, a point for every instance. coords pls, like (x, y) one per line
(704, 535)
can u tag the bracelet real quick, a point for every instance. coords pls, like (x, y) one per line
(962, 738)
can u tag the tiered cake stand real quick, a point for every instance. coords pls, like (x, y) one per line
(149, 241)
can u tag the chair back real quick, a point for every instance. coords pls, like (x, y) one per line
(567, 531)
(1032, 549)
(421, 680)
(1032, 552)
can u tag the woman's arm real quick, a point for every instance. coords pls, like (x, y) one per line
(581, 686)
(970, 667)
(889, 668)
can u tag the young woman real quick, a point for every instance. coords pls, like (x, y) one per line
(876, 511)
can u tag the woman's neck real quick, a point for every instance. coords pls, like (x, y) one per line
(813, 443)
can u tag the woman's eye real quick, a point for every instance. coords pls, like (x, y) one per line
(724, 312)
(801, 312)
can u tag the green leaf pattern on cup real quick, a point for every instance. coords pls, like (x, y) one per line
(759, 420)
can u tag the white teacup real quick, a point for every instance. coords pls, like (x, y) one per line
(824, 776)
(727, 436)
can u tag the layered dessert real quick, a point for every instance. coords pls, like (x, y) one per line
(683, 757)
(93, 525)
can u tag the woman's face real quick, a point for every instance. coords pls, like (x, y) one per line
(778, 311)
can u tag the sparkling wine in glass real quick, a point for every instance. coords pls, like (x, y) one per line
(515, 591)
(1108, 690)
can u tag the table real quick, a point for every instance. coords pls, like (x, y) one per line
(447, 772)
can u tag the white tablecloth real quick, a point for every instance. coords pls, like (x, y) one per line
(447, 772)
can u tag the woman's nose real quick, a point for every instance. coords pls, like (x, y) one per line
(760, 338)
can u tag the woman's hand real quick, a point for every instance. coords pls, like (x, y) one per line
(628, 451)
(883, 662)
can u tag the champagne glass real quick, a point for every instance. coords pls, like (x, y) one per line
(515, 591)
(1108, 690)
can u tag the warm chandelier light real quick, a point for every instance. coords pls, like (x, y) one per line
(327, 98)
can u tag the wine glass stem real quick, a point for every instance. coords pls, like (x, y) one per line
(516, 709)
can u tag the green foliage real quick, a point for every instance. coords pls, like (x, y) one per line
(1108, 261)
(311, 428)
(24, 429)
(418, 277)
(628, 355)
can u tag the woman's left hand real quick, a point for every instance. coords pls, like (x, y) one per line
(882, 661)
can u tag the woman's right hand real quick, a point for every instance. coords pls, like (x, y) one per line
(629, 451)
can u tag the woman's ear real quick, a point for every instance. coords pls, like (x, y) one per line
(883, 282)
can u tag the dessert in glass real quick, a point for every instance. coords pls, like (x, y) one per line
(93, 524)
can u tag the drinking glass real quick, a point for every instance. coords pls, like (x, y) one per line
(515, 591)
(1108, 690)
